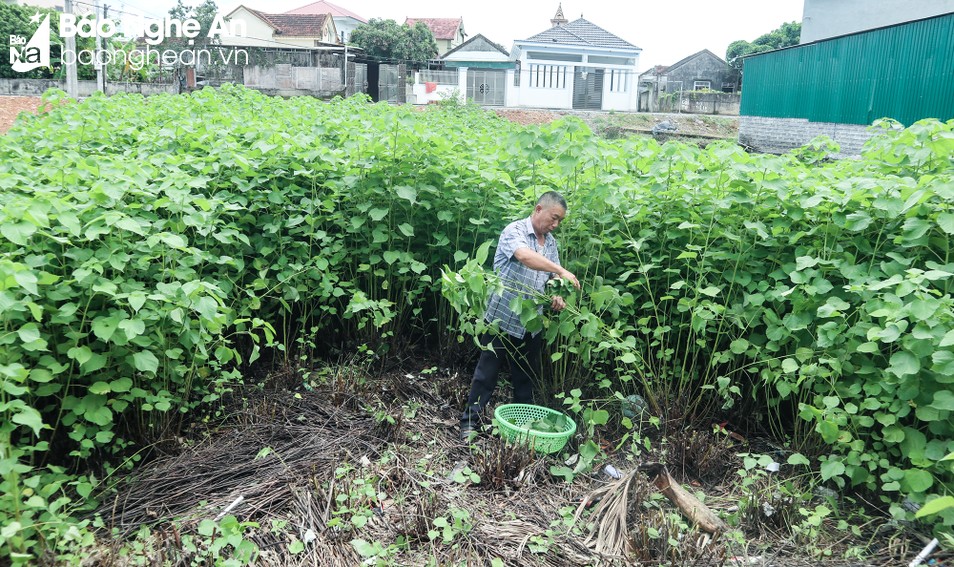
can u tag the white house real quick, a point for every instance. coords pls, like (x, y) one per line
(345, 20)
(288, 31)
(574, 65)
(448, 32)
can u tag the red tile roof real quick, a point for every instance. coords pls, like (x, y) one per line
(295, 25)
(324, 7)
(442, 28)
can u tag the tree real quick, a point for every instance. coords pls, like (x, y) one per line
(785, 35)
(388, 40)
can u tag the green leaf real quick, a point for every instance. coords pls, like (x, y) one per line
(29, 333)
(80, 354)
(99, 388)
(137, 300)
(803, 262)
(943, 400)
(100, 415)
(121, 385)
(948, 339)
(17, 233)
(104, 327)
(132, 327)
(935, 506)
(832, 468)
(407, 193)
(946, 222)
(789, 366)
(363, 548)
(406, 229)
(904, 363)
(26, 280)
(296, 547)
(377, 214)
(25, 415)
(145, 361)
(738, 346)
(390, 256)
(918, 480)
(798, 459)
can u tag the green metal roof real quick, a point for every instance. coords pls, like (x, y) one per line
(904, 71)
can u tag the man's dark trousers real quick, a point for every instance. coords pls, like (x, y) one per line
(523, 356)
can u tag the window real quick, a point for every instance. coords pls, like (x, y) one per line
(548, 76)
(544, 56)
(516, 75)
(610, 60)
(701, 85)
(618, 80)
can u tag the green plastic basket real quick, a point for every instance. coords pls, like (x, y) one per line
(513, 418)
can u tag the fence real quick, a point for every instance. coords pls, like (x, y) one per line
(694, 102)
(439, 77)
(36, 87)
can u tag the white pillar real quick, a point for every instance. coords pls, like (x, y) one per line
(462, 84)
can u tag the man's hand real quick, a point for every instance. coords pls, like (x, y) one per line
(558, 304)
(567, 275)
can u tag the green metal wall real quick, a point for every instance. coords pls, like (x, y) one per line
(905, 72)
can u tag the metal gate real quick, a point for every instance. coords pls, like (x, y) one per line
(391, 83)
(487, 88)
(588, 88)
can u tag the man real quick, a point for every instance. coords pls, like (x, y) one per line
(526, 258)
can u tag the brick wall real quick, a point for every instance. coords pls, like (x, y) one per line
(779, 135)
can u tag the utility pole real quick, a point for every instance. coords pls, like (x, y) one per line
(100, 83)
(72, 86)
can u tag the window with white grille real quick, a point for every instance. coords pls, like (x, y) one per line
(701, 85)
(618, 80)
(548, 76)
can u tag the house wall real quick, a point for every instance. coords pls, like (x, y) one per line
(562, 98)
(703, 68)
(346, 25)
(258, 33)
(623, 101)
(829, 18)
(443, 46)
(779, 135)
(540, 97)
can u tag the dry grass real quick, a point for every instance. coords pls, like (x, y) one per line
(327, 466)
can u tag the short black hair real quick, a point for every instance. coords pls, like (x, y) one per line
(551, 198)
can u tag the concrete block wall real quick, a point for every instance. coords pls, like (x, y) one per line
(36, 87)
(779, 135)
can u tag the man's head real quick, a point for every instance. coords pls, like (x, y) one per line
(549, 211)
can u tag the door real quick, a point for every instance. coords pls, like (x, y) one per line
(487, 88)
(587, 88)
(388, 83)
(373, 70)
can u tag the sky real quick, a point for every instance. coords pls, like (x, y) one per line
(666, 30)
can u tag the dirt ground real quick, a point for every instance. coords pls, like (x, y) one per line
(11, 106)
(619, 124)
(337, 467)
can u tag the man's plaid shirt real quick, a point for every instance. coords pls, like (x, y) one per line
(517, 278)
